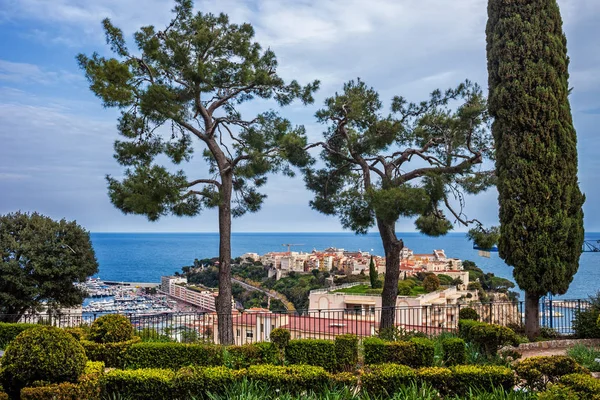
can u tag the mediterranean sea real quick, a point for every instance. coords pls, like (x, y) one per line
(145, 257)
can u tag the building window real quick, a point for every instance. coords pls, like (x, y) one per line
(249, 334)
(238, 332)
(262, 327)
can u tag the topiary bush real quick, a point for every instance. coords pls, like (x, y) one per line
(488, 337)
(193, 382)
(280, 338)
(292, 379)
(468, 313)
(346, 352)
(317, 352)
(9, 331)
(172, 355)
(113, 355)
(584, 385)
(87, 387)
(386, 379)
(111, 328)
(251, 354)
(438, 378)
(466, 378)
(139, 384)
(416, 352)
(43, 353)
(537, 372)
(454, 351)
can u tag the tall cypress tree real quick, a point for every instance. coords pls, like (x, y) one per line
(373, 275)
(541, 215)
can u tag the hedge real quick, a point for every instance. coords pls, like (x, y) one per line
(251, 354)
(139, 384)
(454, 351)
(9, 331)
(87, 387)
(484, 377)
(436, 377)
(346, 352)
(172, 355)
(416, 352)
(316, 352)
(488, 337)
(586, 386)
(387, 379)
(113, 355)
(293, 378)
(111, 328)
(538, 372)
(194, 381)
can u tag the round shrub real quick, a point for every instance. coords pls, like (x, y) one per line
(280, 337)
(111, 328)
(468, 313)
(45, 354)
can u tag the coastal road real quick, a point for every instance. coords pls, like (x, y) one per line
(269, 294)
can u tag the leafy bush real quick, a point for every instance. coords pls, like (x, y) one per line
(346, 352)
(78, 333)
(172, 355)
(113, 355)
(417, 352)
(386, 379)
(558, 392)
(9, 331)
(436, 377)
(317, 352)
(44, 353)
(585, 356)
(139, 384)
(584, 385)
(293, 378)
(484, 377)
(111, 328)
(251, 354)
(87, 387)
(195, 381)
(585, 324)
(454, 351)
(468, 313)
(488, 337)
(343, 380)
(280, 338)
(537, 372)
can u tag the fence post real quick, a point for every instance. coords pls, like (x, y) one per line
(551, 315)
(427, 320)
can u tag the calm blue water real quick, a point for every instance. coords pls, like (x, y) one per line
(145, 257)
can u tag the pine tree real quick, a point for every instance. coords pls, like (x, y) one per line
(373, 276)
(541, 215)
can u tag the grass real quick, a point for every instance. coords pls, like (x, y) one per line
(366, 289)
(586, 356)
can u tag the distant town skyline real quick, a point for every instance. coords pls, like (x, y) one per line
(56, 139)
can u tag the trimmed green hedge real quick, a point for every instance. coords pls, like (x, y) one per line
(584, 385)
(9, 331)
(113, 355)
(87, 387)
(416, 352)
(139, 384)
(346, 352)
(251, 354)
(172, 355)
(387, 379)
(454, 351)
(111, 328)
(316, 352)
(538, 372)
(488, 337)
(293, 378)
(481, 377)
(195, 381)
(436, 377)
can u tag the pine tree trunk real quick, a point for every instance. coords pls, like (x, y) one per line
(392, 247)
(532, 315)
(223, 303)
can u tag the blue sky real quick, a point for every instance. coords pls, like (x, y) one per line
(56, 139)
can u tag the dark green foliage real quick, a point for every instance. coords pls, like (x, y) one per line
(484, 238)
(296, 287)
(139, 384)
(292, 379)
(40, 259)
(584, 324)
(431, 283)
(9, 331)
(487, 337)
(417, 352)
(317, 352)
(538, 372)
(468, 313)
(77, 333)
(41, 354)
(87, 387)
(196, 382)
(454, 351)
(113, 355)
(373, 275)
(558, 392)
(251, 354)
(436, 377)
(484, 377)
(172, 355)
(541, 233)
(346, 352)
(386, 379)
(280, 338)
(111, 328)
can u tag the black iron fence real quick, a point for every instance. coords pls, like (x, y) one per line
(361, 320)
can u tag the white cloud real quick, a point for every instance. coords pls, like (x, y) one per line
(14, 72)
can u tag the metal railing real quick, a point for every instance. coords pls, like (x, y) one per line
(363, 321)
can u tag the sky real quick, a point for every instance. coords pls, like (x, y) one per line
(56, 140)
